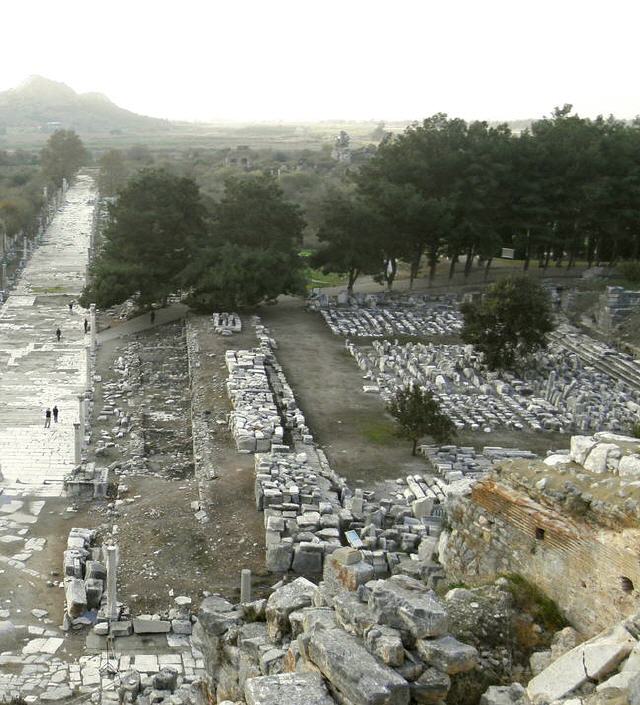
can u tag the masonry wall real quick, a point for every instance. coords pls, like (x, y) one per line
(591, 572)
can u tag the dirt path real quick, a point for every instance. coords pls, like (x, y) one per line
(351, 426)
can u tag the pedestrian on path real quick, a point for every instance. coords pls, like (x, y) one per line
(153, 316)
(47, 418)
(55, 414)
(58, 334)
(71, 306)
(86, 326)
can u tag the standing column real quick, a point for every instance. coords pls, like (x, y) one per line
(92, 314)
(77, 437)
(81, 419)
(112, 576)
(88, 367)
(245, 586)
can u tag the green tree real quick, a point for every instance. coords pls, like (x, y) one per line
(350, 232)
(509, 323)
(153, 234)
(63, 154)
(113, 172)
(418, 414)
(252, 254)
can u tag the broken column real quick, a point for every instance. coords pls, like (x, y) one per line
(245, 586)
(112, 576)
(77, 438)
(81, 419)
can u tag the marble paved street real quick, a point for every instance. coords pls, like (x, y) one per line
(37, 371)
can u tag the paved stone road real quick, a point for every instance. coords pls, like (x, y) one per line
(36, 371)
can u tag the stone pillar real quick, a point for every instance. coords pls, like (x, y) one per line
(245, 585)
(88, 367)
(112, 578)
(77, 437)
(92, 321)
(81, 419)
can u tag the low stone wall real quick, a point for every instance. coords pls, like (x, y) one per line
(349, 640)
(203, 447)
(255, 421)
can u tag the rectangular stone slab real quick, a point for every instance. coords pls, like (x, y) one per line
(354, 672)
(287, 689)
(151, 626)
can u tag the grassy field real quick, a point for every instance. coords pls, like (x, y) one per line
(179, 136)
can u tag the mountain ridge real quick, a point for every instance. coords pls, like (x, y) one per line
(42, 103)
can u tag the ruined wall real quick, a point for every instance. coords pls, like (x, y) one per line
(592, 572)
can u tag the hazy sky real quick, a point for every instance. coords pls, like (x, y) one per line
(326, 59)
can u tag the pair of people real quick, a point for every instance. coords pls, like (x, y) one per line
(48, 414)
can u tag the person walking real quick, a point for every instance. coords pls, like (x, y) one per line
(58, 334)
(47, 418)
(55, 414)
(70, 306)
(86, 326)
(153, 316)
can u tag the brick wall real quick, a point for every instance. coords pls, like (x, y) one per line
(592, 572)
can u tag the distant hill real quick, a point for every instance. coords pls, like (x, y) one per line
(39, 103)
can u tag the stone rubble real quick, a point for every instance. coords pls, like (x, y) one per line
(558, 392)
(349, 639)
(377, 323)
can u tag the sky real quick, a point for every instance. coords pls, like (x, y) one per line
(312, 60)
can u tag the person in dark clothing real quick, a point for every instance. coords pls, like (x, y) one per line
(153, 316)
(47, 418)
(55, 414)
(86, 326)
(58, 334)
(70, 306)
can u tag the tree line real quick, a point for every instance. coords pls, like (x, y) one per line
(565, 189)
(23, 176)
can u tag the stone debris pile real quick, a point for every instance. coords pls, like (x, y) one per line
(558, 392)
(470, 395)
(309, 512)
(84, 579)
(453, 463)
(254, 422)
(394, 320)
(351, 639)
(264, 407)
(603, 453)
(604, 669)
(226, 324)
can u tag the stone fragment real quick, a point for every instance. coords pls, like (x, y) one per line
(281, 603)
(287, 689)
(165, 679)
(448, 654)
(431, 687)
(513, 694)
(216, 615)
(404, 603)
(386, 644)
(353, 671)
(8, 635)
(76, 597)
(150, 626)
(591, 660)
